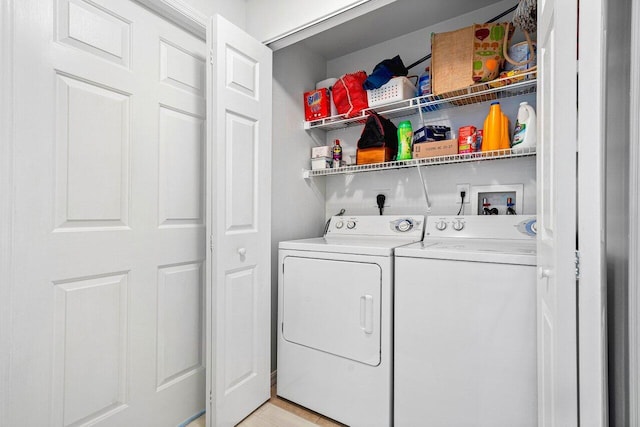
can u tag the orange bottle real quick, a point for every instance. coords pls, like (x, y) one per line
(505, 142)
(493, 128)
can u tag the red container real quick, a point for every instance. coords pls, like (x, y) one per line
(317, 104)
(467, 139)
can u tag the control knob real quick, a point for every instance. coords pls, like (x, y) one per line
(339, 224)
(458, 225)
(404, 225)
(351, 225)
(441, 225)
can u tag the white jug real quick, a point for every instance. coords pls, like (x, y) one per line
(524, 135)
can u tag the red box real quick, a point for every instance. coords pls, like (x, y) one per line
(467, 139)
(317, 104)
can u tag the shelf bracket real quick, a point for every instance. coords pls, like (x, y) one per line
(424, 187)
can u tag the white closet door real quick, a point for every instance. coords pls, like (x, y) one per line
(109, 226)
(239, 271)
(556, 174)
(592, 297)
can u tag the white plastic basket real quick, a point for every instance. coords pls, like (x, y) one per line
(396, 89)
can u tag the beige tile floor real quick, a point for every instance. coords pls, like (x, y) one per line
(279, 412)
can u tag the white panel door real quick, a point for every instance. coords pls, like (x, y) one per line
(556, 174)
(109, 246)
(239, 271)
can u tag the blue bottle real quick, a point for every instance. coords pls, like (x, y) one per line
(424, 88)
(424, 83)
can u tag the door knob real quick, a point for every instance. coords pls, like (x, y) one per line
(242, 251)
(544, 273)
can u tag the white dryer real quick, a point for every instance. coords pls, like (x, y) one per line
(335, 317)
(465, 324)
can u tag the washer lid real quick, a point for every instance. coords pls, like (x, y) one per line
(359, 246)
(521, 252)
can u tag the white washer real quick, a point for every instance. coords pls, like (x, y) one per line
(335, 317)
(465, 324)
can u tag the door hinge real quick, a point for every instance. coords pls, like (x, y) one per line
(211, 57)
(210, 396)
(577, 261)
(211, 242)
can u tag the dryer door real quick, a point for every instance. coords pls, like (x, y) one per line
(333, 306)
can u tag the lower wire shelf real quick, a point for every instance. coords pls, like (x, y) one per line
(427, 161)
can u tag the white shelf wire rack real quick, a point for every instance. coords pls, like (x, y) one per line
(427, 161)
(507, 87)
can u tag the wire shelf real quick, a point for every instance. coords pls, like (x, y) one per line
(507, 87)
(427, 161)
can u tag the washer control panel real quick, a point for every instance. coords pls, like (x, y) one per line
(376, 225)
(482, 227)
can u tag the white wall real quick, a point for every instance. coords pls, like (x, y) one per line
(297, 205)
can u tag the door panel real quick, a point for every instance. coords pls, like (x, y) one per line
(556, 171)
(241, 151)
(181, 137)
(94, 29)
(90, 323)
(92, 179)
(110, 239)
(179, 332)
(333, 306)
(239, 279)
(241, 335)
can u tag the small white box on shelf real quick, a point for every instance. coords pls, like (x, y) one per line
(320, 163)
(322, 151)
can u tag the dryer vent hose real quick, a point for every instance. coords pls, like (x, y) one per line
(326, 226)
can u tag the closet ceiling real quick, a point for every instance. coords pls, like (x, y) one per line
(388, 22)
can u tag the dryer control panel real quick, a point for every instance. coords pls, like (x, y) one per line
(376, 225)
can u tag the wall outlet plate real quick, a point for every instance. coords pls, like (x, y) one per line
(467, 189)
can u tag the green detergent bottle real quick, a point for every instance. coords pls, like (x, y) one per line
(405, 139)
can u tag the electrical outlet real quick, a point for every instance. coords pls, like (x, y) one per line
(385, 192)
(467, 192)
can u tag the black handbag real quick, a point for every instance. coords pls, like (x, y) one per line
(379, 132)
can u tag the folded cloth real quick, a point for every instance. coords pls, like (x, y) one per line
(384, 71)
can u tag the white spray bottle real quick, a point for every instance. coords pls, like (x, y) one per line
(524, 135)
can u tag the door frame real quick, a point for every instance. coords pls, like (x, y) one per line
(6, 194)
(180, 13)
(634, 229)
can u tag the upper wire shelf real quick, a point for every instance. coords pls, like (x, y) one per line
(507, 87)
(439, 160)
